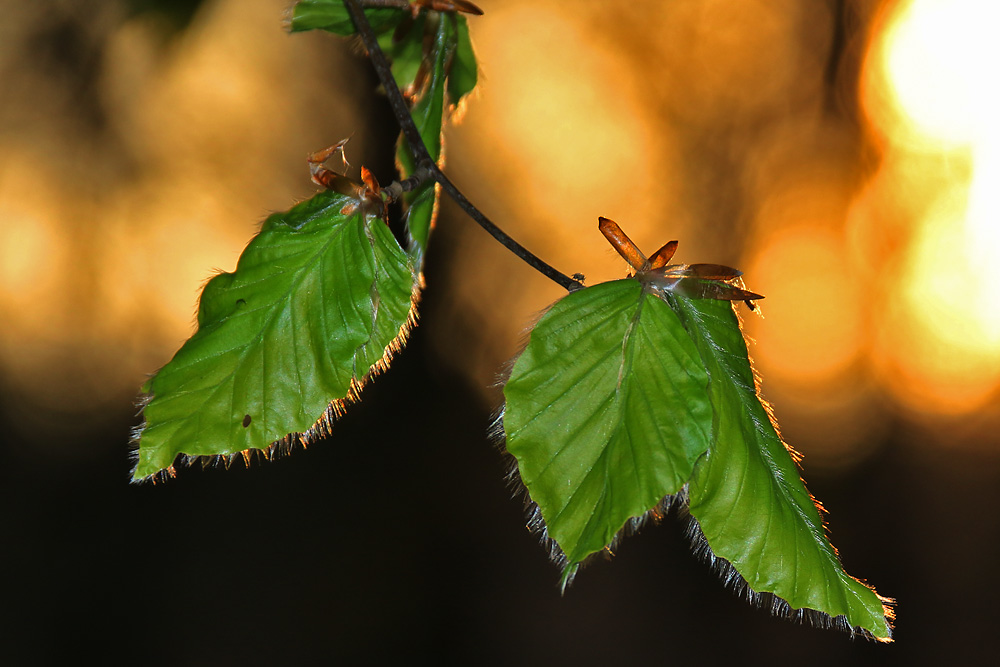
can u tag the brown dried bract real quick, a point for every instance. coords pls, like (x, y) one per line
(693, 281)
(367, 194)
(445, 6)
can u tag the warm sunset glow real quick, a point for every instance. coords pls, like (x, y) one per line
(557, 135)
(566, 124)
(107, 235)
(927, 94)
(708, 122)
(32, 252)
(811, 331)
(936, 57)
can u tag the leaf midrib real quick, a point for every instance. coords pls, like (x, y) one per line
(280, 305)
(818, 540)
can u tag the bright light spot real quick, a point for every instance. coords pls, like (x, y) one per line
(948, 281)
(945, 334)
(939, 58)
(942, 333)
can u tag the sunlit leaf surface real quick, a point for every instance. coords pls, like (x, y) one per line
(319, 300)
(627, 394)
(607, 412)
(747, 495)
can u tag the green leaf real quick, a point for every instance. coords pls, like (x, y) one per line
(748, 497)
(428, 116)
(319, 300)
(405, 50)
(607, 411)
(464, 72)
(435, 40)
(331, 15)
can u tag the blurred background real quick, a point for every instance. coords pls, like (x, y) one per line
(843, 153)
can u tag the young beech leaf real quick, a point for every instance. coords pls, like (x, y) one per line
(432, 61)
(609, 416)
(402, 38)
(428, 116)
(464, 73)
(319, 301)
(607, 411)
(749, 500)
(332, 15)
(405, 48)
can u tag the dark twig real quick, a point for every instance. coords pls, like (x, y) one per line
(396, 189)
(395, 4)
(422, 156)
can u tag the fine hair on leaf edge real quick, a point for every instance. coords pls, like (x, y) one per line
(727, 573)
(322, 428)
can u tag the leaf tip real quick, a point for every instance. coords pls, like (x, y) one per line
(567, 577)
(781, 608)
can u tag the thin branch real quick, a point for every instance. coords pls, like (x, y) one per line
(396, 189)
(394, 4)
(422, 156)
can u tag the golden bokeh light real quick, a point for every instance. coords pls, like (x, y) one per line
(32, 251)
(107, 232)
(811, 338)
(556, 135)
(576, 121)
(924, 93)
(721, 124)
(728, 62)
(932, 60)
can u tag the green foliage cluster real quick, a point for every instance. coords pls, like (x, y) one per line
(626, 395)
(630, 395)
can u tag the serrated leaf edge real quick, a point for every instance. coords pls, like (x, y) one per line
(536, 525)
(727, 572)
(321, 428)
(731, 577)
(775, 604)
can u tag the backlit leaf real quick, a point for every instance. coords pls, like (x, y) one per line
(748, 497)
(437, 43)
(428, 116)
(405, 50)
(607, 411)
(464, 72)
(319, 300)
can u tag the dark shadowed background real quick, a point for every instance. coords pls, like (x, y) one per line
(839, 152)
